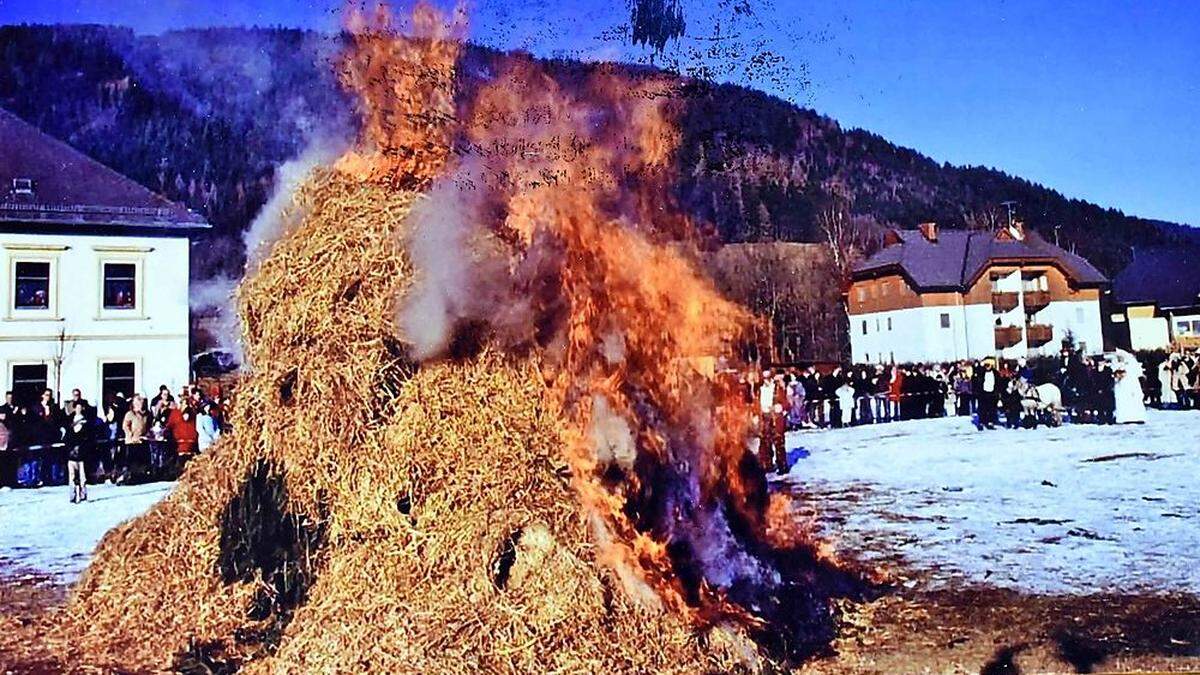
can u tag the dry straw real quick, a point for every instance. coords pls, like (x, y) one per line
(437, 529)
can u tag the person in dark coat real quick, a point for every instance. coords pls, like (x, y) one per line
(1012, 402)
(829, 386)
(8, 454)
(864, 390)
(1103, 382)
(986, 385)
(46, 433)
(814, 399)
(80, 441)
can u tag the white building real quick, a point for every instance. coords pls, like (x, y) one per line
(931, 296)
(93, 271)
(1157, 300)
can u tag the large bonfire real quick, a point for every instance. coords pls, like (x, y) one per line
(482, 430)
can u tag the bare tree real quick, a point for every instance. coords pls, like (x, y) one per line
(63, 347)
(986, 219)
(845, 238)
(790, 287)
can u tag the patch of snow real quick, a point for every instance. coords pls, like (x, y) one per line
(1077, 509)
(42, 533)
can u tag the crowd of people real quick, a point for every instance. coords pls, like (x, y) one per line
(131, 439)
(1178, 383)
(1089, 389)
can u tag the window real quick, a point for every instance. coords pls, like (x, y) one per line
(22, 186)
(1078, 315)
(28, 382)
(884, 288)
(1196, 327)
(31, 287)
(945, 320)
(864, 327)
(116, 377)
(876, 325)
(120, 286)
(862, 293)
(889, 323)
(1034, 282)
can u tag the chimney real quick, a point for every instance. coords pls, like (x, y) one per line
(929, 231)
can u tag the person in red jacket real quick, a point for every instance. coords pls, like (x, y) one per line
(181, 425)
(895, 388)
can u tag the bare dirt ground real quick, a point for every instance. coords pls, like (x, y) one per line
(978, 630)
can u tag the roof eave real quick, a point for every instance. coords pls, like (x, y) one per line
(173, 225)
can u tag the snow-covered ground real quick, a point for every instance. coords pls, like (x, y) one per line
(1077, 509)
(43, 534)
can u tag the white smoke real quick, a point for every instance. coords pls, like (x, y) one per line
(462, 275)
(212, 300)
(438, 234)
(278, 213)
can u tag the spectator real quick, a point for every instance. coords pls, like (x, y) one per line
(163, 398)
(895, 393)
(76, 397)
(207, 428)
(79, 441)
(1181, 382)
(136, 429)
(181, 428)
(986, 389)
(845, 403)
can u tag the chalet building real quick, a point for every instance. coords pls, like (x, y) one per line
(934, 296)
(94, 274)
(1156, 301)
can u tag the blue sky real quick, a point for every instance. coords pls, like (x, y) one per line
(1097, 99)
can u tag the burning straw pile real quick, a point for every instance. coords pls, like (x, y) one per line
(476, 437)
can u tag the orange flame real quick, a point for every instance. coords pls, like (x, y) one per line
(577, 165)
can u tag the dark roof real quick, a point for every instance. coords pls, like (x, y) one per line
(70, 188)
(958, 257)
(1167, 277)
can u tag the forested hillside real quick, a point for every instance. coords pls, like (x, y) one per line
(206, 116)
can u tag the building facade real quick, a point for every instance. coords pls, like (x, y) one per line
(94, 274)
(1156, 301)
(931, 296)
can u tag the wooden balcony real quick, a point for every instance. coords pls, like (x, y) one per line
(1187, 342)
(1037, 334)
(1036, 300)
(1007, 336)
(1004, 302)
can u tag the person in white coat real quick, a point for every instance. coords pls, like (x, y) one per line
(1131, 408)
(845, 397)
(207, 431)
(1166, 371)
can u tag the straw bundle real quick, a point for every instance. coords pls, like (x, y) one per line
(367, 515)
